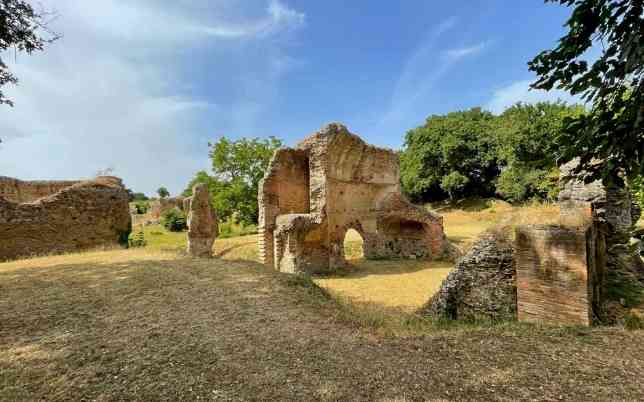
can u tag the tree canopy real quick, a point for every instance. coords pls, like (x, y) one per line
(475, 153)
(237, 168)
(163, 192)
(613, 132)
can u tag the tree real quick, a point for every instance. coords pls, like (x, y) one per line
(139, 197)
(459, 142)
(237, 168)
(527, 135)
(23, 29)
(613, 132)
(453, 183)
(163, 192)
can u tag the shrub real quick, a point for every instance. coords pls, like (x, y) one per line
(137, 239)
(142, 207)
(174, 220)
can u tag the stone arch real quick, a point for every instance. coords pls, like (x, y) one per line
(356, 226)
(353, 248)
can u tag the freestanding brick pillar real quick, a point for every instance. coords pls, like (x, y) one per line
(559, 273)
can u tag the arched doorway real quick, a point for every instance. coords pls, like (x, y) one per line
(353, 245)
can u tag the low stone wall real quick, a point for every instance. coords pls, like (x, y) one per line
(18, 191)
(559, 274)
(481, 286)
(84, 215)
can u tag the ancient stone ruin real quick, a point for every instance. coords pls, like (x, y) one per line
(559, 271)
(202, 222)
(481, 286)
(41, 217)
(157, 208)
(566, 273)
(331, 182)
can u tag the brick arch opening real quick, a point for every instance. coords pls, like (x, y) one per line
(353, 245)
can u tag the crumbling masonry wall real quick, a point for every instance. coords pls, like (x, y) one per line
(19, 191)
(481, 286)
(332, 182)
(559, 273)
(81, 216)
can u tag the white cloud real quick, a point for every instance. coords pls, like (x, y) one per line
(117, 90)
(520, 92)
(421, 72)
(457, 54)
(278, 18)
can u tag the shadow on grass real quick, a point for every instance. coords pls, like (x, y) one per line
(360, 268)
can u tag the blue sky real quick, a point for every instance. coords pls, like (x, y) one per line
(141, 87)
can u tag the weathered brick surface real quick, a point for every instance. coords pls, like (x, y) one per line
(202, 222)
(559, 272)
(332, 182)
(84, 215)
(481, 286)
(19, 191)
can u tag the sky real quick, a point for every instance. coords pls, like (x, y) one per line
(141, 87)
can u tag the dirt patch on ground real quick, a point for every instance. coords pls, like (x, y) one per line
(157, 327)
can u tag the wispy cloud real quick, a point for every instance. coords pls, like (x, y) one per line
(118, 90)
(278, 18)
(459, 53)
(519, 91)
(422, 70)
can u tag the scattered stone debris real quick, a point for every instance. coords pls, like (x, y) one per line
(332, 182)
(202, 222)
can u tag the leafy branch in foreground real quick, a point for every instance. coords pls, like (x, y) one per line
(611, 136)
(24, 30)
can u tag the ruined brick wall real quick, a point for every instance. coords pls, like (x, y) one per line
(284, 190)
(332, 182)
(481, 286)
(559, 274)
(15, 190)
(85, 215)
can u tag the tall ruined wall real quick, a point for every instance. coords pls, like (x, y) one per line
(15, 190)
(332, 182)
(283, 190)
(82, 216)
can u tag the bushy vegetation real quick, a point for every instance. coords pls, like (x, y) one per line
(230, 228)
(237, 168)
(141, 207)
(137, 239)
(174, 220)
(163, 192)
(474, 153)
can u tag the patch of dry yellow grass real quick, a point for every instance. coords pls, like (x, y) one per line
(463, 226)
(399, 284)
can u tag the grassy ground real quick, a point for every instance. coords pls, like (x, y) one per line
(404, 285)
(147, 324)
(153, 324)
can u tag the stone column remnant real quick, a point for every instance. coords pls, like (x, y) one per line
(202, 222)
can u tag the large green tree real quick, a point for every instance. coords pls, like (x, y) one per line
(527, 149)
(452, 154)
(613, 132)
(475, 153)
(237, 168)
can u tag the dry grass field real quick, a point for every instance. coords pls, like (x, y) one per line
(151, 324)
(406, 285)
